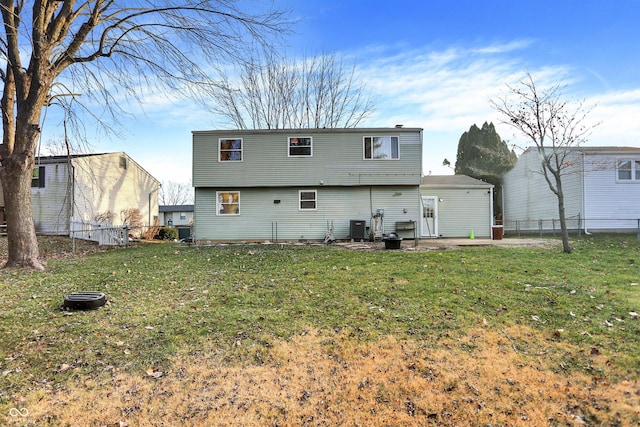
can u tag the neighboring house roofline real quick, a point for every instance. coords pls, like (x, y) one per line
(175, 208)
(48, 160)
(594, 149)
(453, 181)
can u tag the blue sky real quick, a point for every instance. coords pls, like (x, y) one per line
(435, 65)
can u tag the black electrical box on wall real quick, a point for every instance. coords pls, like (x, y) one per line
(357, 229)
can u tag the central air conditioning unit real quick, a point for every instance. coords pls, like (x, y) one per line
(357, 229)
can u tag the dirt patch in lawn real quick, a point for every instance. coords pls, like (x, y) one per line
(484, 378)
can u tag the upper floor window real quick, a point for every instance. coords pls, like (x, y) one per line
(230, 150)
(308, 200)
(183, 216)
(37, 179)
(381, 148)
(300, 146)
(628, 170)
(228, 203)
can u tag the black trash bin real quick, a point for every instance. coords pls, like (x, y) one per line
(392, 241)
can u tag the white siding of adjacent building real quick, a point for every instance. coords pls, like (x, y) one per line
(113, 183)
(175, 218)
(529, 200)
(609, 204)
(51, 203)
(87, 186)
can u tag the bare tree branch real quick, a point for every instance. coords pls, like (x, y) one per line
(553, 125)
(176, 193)
(106, 51)
(274, 93)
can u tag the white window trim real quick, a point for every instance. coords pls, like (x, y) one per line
(241, 151)
(635, 170)
(298, 155)
(364, 156)
(218, 204)
(300, 208)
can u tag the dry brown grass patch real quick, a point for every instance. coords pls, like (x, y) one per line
(486, 377)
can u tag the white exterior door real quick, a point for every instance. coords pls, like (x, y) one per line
(429, 217)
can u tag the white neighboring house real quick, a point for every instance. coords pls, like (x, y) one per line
(179, 217)
(88, 186)
(601, 187)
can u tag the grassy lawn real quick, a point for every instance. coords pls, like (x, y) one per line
(314, 335)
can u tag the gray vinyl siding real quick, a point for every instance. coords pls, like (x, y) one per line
(51, 204)
(262, 219)
(463, 210)
(337, 160)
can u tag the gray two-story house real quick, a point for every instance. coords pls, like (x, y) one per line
(303, 184)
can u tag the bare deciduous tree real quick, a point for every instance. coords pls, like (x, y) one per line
(554, 125)
(176, 193)
(276, 93)
(54, 50)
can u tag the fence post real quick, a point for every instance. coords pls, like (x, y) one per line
(125, 239)
(579, 224)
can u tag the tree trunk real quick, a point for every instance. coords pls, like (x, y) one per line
(566, 247)
(15, 174)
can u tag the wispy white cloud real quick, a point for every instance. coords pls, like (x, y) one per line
(617, 112)
(511, 46)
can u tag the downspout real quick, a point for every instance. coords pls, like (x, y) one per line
(491, 220)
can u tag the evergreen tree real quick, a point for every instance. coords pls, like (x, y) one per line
(483, 155)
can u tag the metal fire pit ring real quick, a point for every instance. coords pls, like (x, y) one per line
(84, 301)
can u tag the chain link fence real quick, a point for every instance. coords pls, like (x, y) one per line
(576, 225)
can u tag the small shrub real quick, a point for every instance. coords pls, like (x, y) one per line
(167, 233)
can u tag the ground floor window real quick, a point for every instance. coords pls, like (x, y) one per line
(308, 200)
(228, 203)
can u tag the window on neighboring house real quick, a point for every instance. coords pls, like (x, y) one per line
(628, 170)
(230, 150)
(300, 146)
(123, 162)
(381, 148)
(228, 203)
(308, 200)
(37, 179)
(183, 216)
